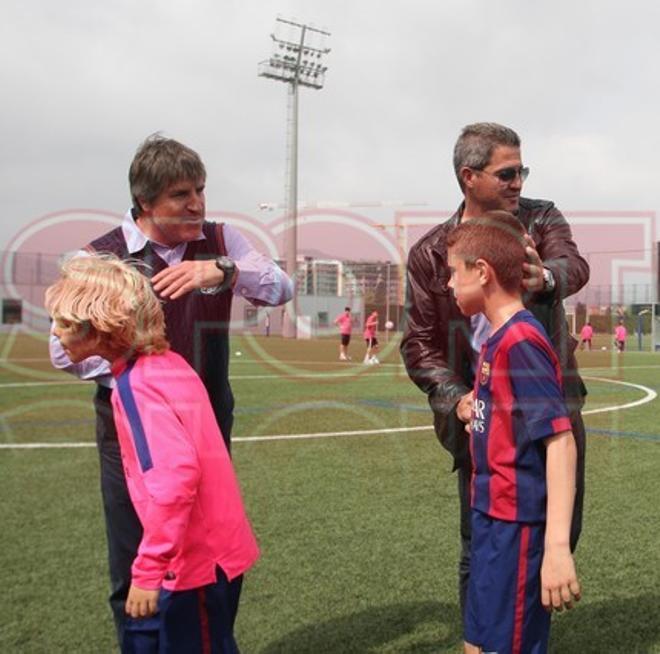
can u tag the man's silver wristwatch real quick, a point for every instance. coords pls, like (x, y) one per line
(548, 281)
(228, 267)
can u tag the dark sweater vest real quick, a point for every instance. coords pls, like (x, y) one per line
(197, 325)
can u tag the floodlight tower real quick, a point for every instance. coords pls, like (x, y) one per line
(297, 60)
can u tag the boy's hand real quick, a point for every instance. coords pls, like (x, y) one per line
(142, 603)
(559, 582)
(464, 409)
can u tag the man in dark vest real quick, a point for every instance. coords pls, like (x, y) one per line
(440, 345)
(195, 266)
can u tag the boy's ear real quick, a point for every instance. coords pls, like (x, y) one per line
(485, 271)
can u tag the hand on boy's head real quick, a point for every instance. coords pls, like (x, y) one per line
(532, 268)
(142, 602)
(177, 280)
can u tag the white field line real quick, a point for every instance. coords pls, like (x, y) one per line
(650, 396)
(239, 439)
(312, 375)
(343, 364)
(233, 361)
(237, 361)
(293, 375)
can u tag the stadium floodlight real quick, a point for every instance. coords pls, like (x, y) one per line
(301, 41)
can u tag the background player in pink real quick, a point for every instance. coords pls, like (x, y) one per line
(197, 541)
(523, 452)
(620, 335)
(586, 334)
(370, 338)
(345, 323)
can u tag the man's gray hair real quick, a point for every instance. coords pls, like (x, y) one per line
(476, 143)
(158, 163)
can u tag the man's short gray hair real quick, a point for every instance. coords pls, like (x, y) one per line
(158, 163)
(475, 145)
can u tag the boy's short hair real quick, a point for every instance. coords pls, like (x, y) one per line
(158, 163)
(114, 298)
(498, 237)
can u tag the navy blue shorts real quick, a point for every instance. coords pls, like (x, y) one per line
(196, 621)
(503, 612)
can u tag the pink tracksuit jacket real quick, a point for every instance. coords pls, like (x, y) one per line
(179, 476)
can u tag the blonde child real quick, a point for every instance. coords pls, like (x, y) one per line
(197, 541)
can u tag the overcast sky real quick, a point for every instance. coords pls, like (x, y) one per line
(84, 81)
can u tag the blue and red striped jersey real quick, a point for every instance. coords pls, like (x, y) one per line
(518, 401)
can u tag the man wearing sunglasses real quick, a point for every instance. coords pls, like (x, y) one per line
(440, 345)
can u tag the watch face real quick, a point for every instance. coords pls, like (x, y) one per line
(228, 267)
(548, 279)
(225, 264)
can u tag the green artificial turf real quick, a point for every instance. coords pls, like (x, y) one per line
(359, 534)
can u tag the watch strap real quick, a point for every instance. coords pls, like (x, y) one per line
(228, 267)
(548, 281)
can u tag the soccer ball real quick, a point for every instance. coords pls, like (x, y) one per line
(389, 325)
(239, 353)
(603, 348)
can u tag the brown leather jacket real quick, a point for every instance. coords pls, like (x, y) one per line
(436, 346)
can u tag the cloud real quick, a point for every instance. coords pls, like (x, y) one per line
(84, 82)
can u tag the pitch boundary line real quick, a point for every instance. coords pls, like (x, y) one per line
(342, 364)
(315, 375)
(238, 439)
(234, 361)
(649, 397)
(301, 375)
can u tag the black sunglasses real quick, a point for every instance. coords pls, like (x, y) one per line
(507, 175)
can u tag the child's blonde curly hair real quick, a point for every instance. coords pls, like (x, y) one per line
(113, 298)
